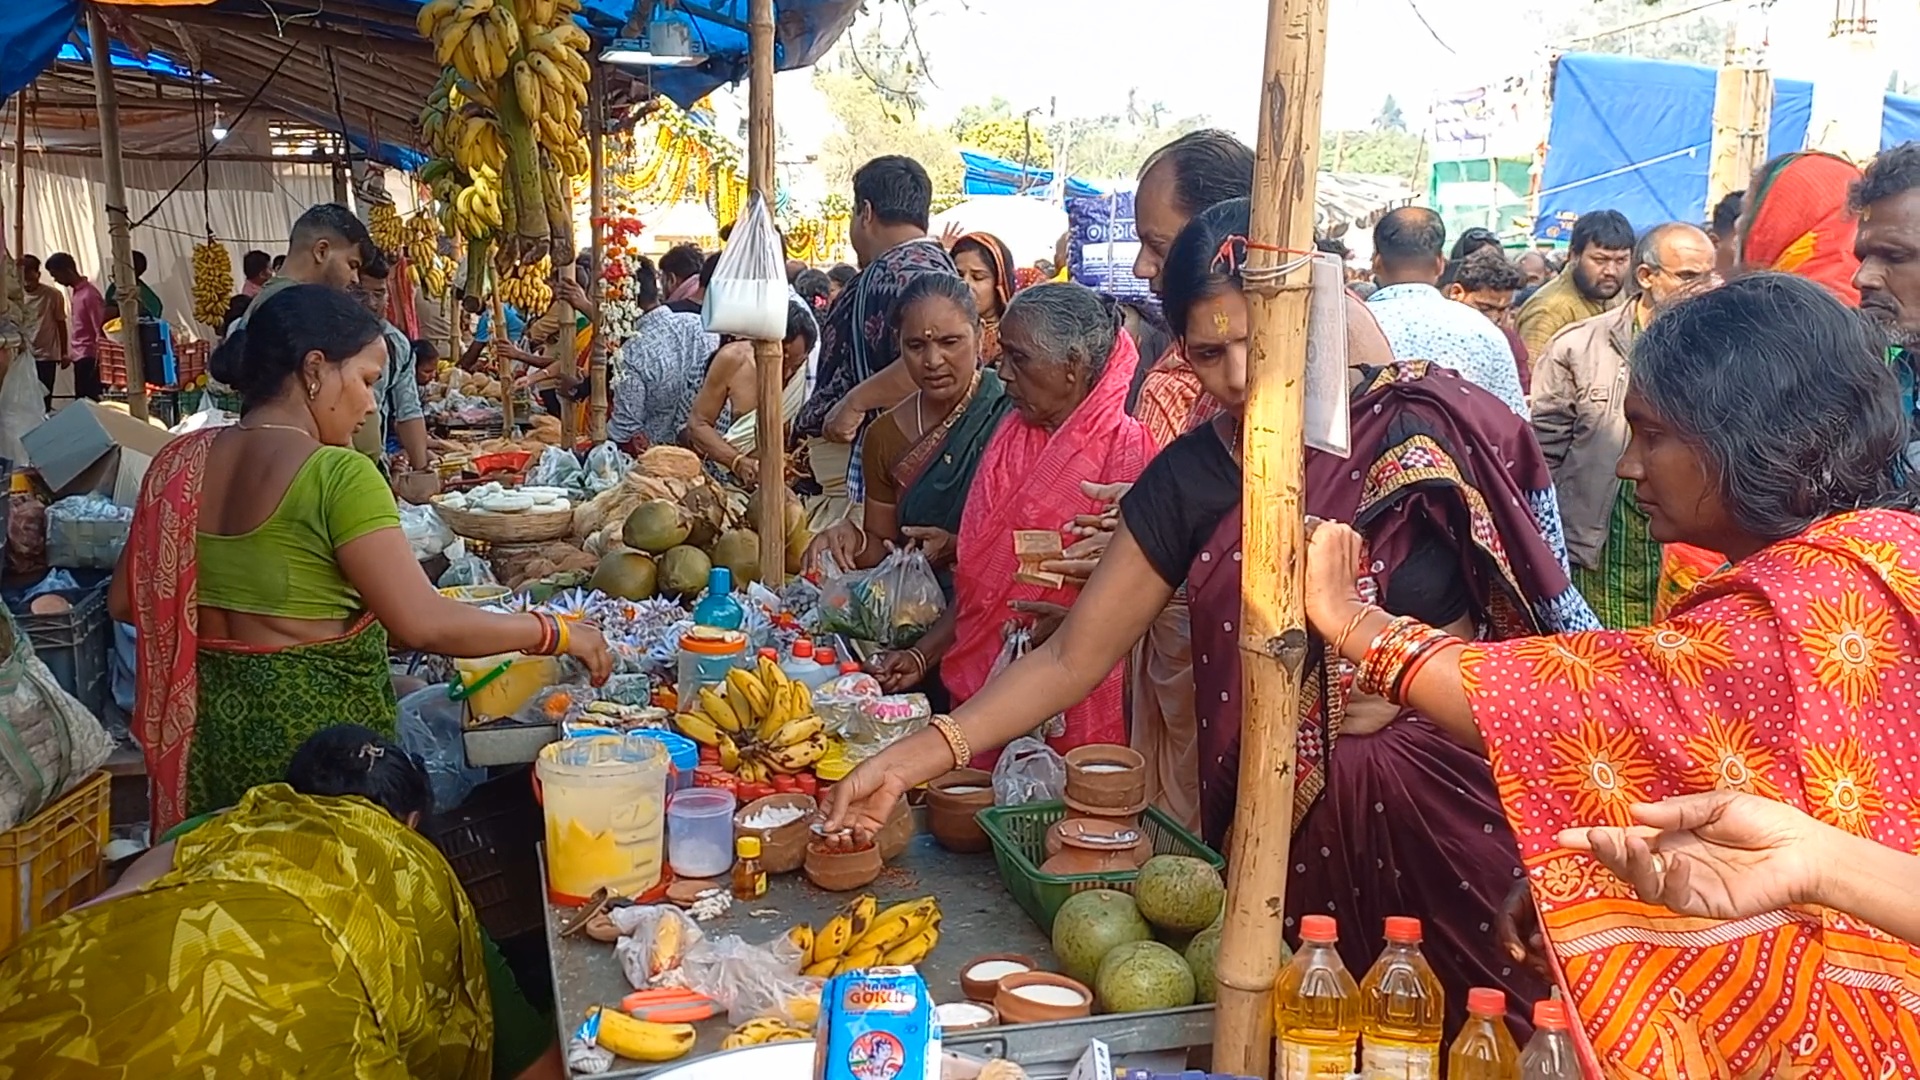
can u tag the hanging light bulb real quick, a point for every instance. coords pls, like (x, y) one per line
(219, 129)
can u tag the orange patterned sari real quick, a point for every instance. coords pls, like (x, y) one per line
(1794, 675)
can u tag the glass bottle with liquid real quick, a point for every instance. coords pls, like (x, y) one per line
(1403, 1010)
(1549, 1054)
(1316, 1008)
(1485, 1049)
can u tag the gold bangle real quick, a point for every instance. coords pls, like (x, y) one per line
(1340, 643)
(565, 634)
(956, 739)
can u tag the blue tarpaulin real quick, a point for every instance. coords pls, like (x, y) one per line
(989, 175)
(1635, 136)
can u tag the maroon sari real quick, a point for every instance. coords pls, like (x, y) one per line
(1401, 821)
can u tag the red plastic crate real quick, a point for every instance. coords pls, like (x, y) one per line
(190, 357)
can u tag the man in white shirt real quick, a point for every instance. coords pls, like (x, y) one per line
(1420, 322)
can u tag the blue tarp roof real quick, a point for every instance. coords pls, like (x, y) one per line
(989, 175)
(1634, 135)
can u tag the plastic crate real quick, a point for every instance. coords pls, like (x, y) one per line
(491, 840)
(75, 644)
(190, 362)
(51, 862)
(1019, 835)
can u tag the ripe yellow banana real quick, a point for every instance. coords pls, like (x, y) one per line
(450, 38)
(914, 949)
(431, 14)
(475, 8)
(696, 727)
(729, 752)
(802, 938)
(505, 30)
(802, 700)
(858, 961)
(770, 675)
(643, 1040)
(833, 937)
(862, 908)
(526, 87)
(799, 731)
(900, 922)
(716, 707)
(820, 969)
(792, 759)
(777, 714)
(746, 690)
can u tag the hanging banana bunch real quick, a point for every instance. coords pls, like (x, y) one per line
(383, 221)
(212, 281)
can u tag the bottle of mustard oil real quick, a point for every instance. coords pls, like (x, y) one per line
(1550, 1055)
(1485, 1049)
(1316, 1008)
(1403, 1010)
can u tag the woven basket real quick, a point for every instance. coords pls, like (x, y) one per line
(530, 527)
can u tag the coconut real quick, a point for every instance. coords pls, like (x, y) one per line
(1178, 893)
(654, 527)
(1089, 925)
(739, 551)
(1201, 953)
(1142, 975)
(629, 575)
(683, 571)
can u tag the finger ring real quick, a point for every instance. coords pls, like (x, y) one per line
(1659, 865)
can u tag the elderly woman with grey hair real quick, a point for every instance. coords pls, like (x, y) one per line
(1067, 365)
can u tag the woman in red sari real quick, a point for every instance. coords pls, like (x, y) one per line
(266, 567)
(1766, 425)
(1067, 366)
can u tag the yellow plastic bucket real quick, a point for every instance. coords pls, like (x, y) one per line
(498, 685)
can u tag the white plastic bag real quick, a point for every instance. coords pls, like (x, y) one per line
(1016, 641)
(1028, 771)
(23, 403)
(748, 295)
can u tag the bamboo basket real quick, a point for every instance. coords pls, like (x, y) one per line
(530, 527)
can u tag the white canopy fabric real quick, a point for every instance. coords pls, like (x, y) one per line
(1030, 227)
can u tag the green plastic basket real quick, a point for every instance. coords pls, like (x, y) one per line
(1019, 835)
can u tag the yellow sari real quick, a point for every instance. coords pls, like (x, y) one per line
(294, 935)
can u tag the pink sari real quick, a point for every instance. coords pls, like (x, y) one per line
(1030, 478)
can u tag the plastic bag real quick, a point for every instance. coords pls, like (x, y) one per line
(87, 532)
(748, 294)
(656, 941)
(427, 534)
(893, 604)
(23, 401)
(430, 727)
(1016, 641)
(465, 569)
(606, 465)
(1028, 771)
(556, 468)
(749, 981)
(58, 741)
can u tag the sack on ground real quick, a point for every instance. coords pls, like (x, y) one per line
(57, 742)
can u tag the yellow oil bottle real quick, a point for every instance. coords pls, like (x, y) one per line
(1485, 1049)
(1316, 1008)
(1403, 1010)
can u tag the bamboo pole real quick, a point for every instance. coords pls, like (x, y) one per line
(1273, 636)
(126, 287)
(769, 437)
(503, 364)
(20, 173)
(597, 157)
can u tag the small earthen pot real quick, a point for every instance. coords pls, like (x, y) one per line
(842, 871)
(952, 802)
(1038, 1005)
(1102, 822)
(965, 1016)
(1102, 834)
(1096, 851)
(784, 847)
(984, 989)
(1106, 775)
(1130, 814)
(896, 834)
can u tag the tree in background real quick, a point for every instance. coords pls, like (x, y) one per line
(1637, 28)
(874, 92)
(994, 129)
(1390, 118)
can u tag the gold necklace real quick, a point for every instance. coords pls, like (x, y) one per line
(275, 427)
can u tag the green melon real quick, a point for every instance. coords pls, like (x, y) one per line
(1142, 975)
(655, 526)
(1178, 893)
(1202, 951)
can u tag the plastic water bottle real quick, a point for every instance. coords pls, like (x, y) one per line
(1316, 1008)
(719, 609)
(1549, 1054)
(804, 667)
(1403, 1010)
(1485, 1049)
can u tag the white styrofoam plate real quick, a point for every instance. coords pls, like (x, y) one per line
(770, 1061)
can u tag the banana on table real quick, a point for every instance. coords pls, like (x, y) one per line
(862, 936)
(762, 723)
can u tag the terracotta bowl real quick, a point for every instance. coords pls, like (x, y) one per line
(1081, 808)
(1106, 775)
(983, 990)
(842, 871)
(1014, 1009)
(1103, 822)
(949, 1027)
(783, 848)
(950, 816)
(893, 838)
(1100, 835)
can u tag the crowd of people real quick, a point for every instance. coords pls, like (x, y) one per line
(1615, 601)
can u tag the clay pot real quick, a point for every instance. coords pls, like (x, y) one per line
(783, 848)
(1106, 775)
(1015, 1009)
(842, 871)
(985, 989)
(1130, 814)
(988, 1016)
(896, 834)
(1101, 822)
(1097, 851)
(1100, 834)
(950, 814)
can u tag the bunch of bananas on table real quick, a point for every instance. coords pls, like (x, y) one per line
(383, 221)
(762, 724)
(642, 1040)
(212, 281)
(861, 936)
(764, 1029)
(526, 286)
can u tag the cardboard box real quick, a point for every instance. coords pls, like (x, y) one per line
(87, 447)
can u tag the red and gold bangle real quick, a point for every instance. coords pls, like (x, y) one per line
(540, 649)
(1426, 649)
(1390, 653)
(1340, 643)
(956, 739)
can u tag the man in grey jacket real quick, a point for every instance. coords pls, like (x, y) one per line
(1579, 401)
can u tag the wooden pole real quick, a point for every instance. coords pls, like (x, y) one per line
(597, 158)
(769, 438)
(497, 334)
(20, 173)
(1273, 636)
(126, 287)
(1742, 109)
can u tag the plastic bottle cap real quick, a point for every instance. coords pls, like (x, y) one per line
(803, 649)
(771, 654)
(825, 656)
(1319, 928)
(1484, 1002)
(719, 580)
(1550, 1014)
(1403, 930)
(748, 847)
(849, 667)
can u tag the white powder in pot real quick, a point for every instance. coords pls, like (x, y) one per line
(963, 789)
(961, 1014)
(772, 817)
(1105, 767)
(995, 970)
(1049, 994)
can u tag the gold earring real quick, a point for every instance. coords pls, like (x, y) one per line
(313, 391)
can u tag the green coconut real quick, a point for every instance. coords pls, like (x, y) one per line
(1142, 975)
(1089, 925)
(629, 575)
(739, 551)
(683, 571)
(1201, 953)
(655, 526)
(1178, 893)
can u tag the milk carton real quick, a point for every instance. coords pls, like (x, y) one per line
(876, 1024)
